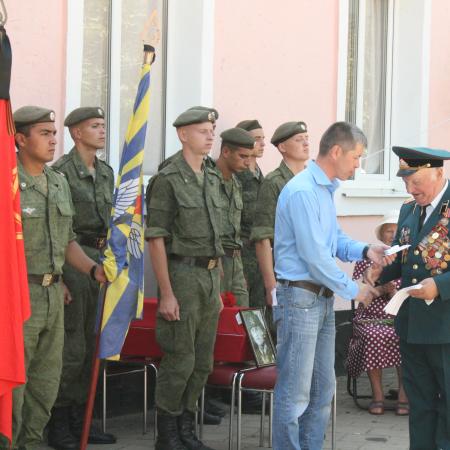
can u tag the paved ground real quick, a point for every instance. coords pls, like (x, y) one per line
(355, 428)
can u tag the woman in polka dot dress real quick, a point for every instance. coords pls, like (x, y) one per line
(374, 344)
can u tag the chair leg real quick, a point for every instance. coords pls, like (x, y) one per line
(202, 413)
(270, 417)
(262, 420)
(155, 424)
(144, 431)
(104, 398)
(333, 421)
(232, 404)
(239, 411)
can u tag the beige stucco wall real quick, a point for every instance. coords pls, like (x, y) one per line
(37, 30)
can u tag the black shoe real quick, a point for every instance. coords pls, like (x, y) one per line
(168, 436)
(214, 408)
(59, 435)
(209, 419)
(96, 436)
(186, 432)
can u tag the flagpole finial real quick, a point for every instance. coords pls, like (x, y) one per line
(149, 54)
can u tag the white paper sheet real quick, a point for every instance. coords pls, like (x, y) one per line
(273, 292)
(395, 249)
(397, 300)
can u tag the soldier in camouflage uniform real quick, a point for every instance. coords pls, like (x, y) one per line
(49, 239)
(251, 181)
(291, 139)
(91, 183)
(237, 146)
(183, 230)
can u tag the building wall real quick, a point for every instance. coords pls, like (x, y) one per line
(276, 64)
(37, 31)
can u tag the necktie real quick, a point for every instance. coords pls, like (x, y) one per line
(423, 214)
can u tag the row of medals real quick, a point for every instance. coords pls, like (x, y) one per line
(435, 246)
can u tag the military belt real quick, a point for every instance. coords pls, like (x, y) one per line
(312, 287)
(97, 242)
(232, 252)
(47, 279)
(199, 261)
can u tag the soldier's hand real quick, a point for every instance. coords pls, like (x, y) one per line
(376, 254)
(221, 304)
(366, 295)
(428, 291)
(99, 274)
(169, 308)
(67, 295)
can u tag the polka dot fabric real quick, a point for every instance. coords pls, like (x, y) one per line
(373, 345)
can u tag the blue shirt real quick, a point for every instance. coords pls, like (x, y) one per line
(308, 236)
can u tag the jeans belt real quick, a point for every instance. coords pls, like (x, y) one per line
(203, 262)
(317, 289)
(97, 242)
(232, 252)
(47, 279)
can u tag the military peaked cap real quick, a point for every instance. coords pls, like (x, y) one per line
(238, 137)
(413, 159)
(249, 125)
(83, 113)
(287, 130)
(192, 116)
(29, 115)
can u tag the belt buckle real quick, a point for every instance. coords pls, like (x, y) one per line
(212, 264)
(101, 242)
(47, 279)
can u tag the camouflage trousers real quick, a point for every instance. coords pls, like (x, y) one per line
(79, 337)
(233, 279)
(188, 343)
(255, 282)
(43, 339)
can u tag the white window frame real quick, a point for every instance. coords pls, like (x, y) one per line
(190, 52)
(373, 194)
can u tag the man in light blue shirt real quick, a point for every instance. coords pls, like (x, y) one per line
(307, 241)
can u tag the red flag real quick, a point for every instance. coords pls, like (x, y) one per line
(14, 296)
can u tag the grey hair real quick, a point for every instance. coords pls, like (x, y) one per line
(344, 134)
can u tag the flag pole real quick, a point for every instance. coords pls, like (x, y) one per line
(94, 377)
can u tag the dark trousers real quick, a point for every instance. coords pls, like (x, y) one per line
(426, 378)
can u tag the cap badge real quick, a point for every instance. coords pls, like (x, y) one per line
(100, 111)
(302, 126)
(52, 115)
(211, 116)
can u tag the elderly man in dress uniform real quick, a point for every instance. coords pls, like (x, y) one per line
(183, 230)
(91, 183)
(47, 216)
(424, 326)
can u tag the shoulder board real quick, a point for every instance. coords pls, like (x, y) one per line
(169, 169)
(56, 171)
(61, 161)
(104, 163)
(408, 201)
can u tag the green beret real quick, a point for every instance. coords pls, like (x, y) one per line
(29, 115)
(238, 137)
(205, 108)
(287, 130)
(84, 113)
(249, 125)
(192, 116)
(413, 159)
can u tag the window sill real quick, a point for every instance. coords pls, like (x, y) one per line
(368, 201)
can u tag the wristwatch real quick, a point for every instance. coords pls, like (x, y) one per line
(364, 252)
(92, 272)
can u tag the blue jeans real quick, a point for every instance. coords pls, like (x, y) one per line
(305, 362)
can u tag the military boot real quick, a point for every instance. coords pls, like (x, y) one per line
(187, 435)
(96, 436)
(59, 434)
(168, 437)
